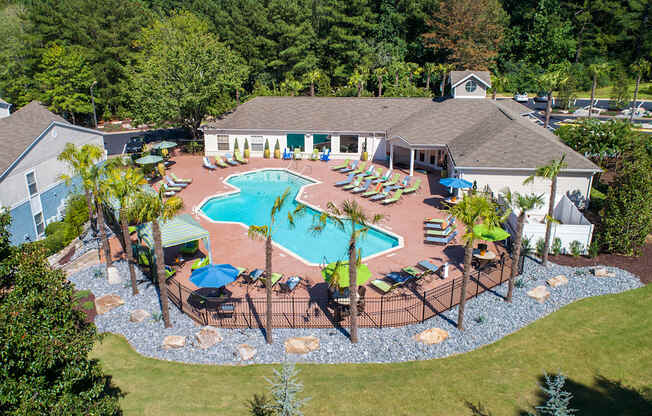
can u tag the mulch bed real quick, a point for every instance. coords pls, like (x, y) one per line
(640, 266)
(90, 313)
(65, 259)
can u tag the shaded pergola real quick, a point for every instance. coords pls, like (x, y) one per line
(438, 151)
(179, 230)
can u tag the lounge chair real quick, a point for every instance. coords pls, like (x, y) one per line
(241, 271)
(353, 166)
(169, 271)
(179, 180)
(439, 225)
(360, 168)
(394, 180)
(315, 154)
(189, 248)
(362, 188)
(400, 278)
(377, 174)
(220, 162)
(132, 229)
(297, 154)
(400, 185)
(290, 284)
(253, 276)
(326, 156)
(345, 181)
(413, 188)
(169, 188)
(383, 286)
(170, 182)
(385, 177)
(199, 263)
(438, 220)
(441, 240)
(354, 184)
(382, 195)
(287, 155)
(374, 191)
(344, 165)
(368, 172)
(208, 164)
(275, 279)
(238, 158)
(428, 266)
(229, 159)
(414, 272)
(441, 233)
(396, 197)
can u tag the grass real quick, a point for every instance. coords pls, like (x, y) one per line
(602, 344)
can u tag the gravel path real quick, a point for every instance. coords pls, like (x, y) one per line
(488, 319)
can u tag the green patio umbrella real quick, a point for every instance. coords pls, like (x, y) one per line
(164, 145)
(341, 271)
(149, 160)
(490, 234)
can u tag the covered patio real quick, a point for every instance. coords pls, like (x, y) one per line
(426, 156)
(179, 230)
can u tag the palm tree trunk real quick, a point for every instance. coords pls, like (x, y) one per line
(468, 253)
(268, 287)
(493, 93)
(103, 237)
(353, 289)
(638, 83)
(380, 86)
(89, 202)
(548, 110)
(517, 255)
(312, 88)
(359, 88)
(128, 251)
(593, 87)
(237, 97)
(428, 82)
(443, 83)
(160, 271)
(396, 79)
(551, 210)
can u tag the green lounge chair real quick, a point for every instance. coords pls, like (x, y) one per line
(241, 271)
(353, 184)
(275, 279)
(414, 272)
(394, 180)
(394, 198)
(361, 168)
(441, 233)
(199, 263)
(189, 248)
(342, 166)
(220, 162)
(238, 158)
(132, 229)
(315, 154)
(179, 180)
(169, 271)
(374, 191)
(384, 177)
(383, 286)
(297, 154)
(438, 220)
(413, 188)
(376, 175)
(172, 188)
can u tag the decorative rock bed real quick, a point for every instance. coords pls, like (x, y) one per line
(488, 318)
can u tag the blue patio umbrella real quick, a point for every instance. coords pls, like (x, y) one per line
(214, 275)
(456, 183)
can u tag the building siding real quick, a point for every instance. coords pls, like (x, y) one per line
(22, 224)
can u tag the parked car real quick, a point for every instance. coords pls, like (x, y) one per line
(135, 144)
(521, 97)
(542, 97)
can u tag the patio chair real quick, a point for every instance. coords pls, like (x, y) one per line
(438, 220)
(428, 266)
(200, 263)
(368, 172)
(414, 272)
(400, 278)
(208, 164)
(238, 158)
(315, 154)
(169, 188)
(394, 180)
(170, 182)
(362, 188)
(381, 195)
(220, 162)
(132, 229)
(165, 192)
(290, 284)
(405, 182)
(396, 197)
(413, 188)
(441, 233)
(354, 184)
(440, 225)
(189, 248)
(345, 181)
(361, 168)
(441, 240)
(179, 180)
(287, 155)
(343, 165)
(169, 272)
(383, 286)
(374, 191)
(377, 173)
(275, 279)
(385, 177)
(297, 154)
(228, 158)
(326, 156)
(253, 276)
(353, 166)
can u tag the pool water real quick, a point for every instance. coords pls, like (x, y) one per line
(253, 204)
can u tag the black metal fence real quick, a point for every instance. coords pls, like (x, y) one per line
(406, 305)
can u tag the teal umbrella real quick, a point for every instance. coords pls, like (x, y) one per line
(490, 234)
(164, 145)
(148, 160)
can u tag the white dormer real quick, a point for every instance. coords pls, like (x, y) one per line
(470, 84)
(4, 108)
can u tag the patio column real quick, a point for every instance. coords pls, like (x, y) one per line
(412, 162)
(391, 156)
(207, 244)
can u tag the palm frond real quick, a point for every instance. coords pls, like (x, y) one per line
(258, 232)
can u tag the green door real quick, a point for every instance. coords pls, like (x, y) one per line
(296, 140)
(321, 141)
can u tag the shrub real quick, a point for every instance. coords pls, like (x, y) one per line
(558, 400)
(576, 248)
(285, 387)
(480, 319)
(76, 213)
(541, 244)
(594, 248)
(259, 406)
(556, 246)
(58, 235)
(519, 283)
(235, 146)
(81, 294)
(526, 246)
(88, 305)
(598, 199)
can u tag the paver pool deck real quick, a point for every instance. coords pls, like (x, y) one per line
(230, 243)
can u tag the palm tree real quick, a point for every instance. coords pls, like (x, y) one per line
(475, 208)
(595, 70)
(497, 81)
(149, 207)
(641, 68)
(124, 185)
(549, 172)
(523, 204)
(96, 176)
(380, 73)
(358, 78)
(443, 70)
(551, 81)
(349, 216)
(311, 77)
(430, 69)
(266, 232)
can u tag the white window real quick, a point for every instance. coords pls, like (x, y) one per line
(40, 227)
(257, 143)
(31, 184)
(222, 142)
(470, 86)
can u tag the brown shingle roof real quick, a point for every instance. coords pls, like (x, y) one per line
(457, 76)
(21, 128)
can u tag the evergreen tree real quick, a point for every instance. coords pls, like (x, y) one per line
(285, 388)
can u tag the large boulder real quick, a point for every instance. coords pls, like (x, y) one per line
(114, 276)
(431, 336)
(174, 342)
(301, 345)
(139, 315)
(105, 303)
(557, 281)
(86, 260)
(207, 337)
(602, 272)
(539, 293)
(246, 352)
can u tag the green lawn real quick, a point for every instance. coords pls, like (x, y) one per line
(599, 343)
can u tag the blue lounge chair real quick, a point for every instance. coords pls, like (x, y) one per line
(287, 155)
(229, 159)
(353, 184)
(438, 225)
(397, 277)
(385, 177)
(427, 266)
(208, 164)
(381, 195)
(351, 168)
(405, 182)
(326, 156)
(173, 183)
(253, 276)
(368, 172)
(442, 240)
(362, 188)
(343, 165)
(290, 284)
(346, 181)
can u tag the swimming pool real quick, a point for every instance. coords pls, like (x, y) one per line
(252, 206)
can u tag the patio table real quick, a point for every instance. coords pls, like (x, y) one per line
(449, 200)
(488, 255)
